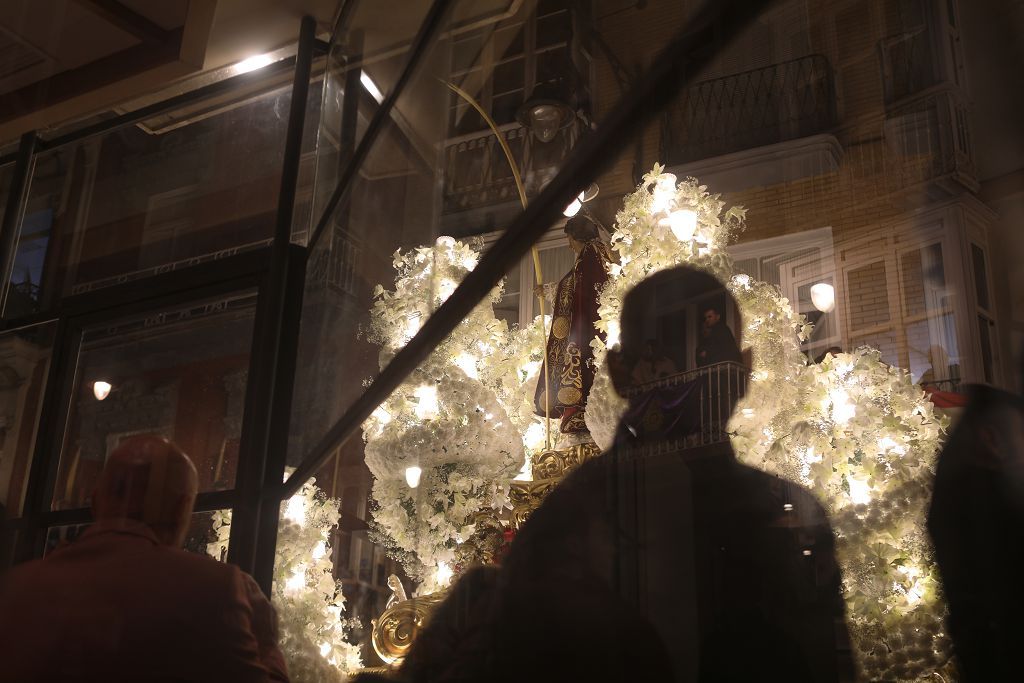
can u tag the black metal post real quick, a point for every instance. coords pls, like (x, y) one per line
(670, 71)
(268, 396)
(16, 198)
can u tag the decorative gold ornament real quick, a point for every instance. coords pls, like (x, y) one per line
(395, 630)
(560, 327)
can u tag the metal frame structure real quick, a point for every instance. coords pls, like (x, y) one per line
(277, 272)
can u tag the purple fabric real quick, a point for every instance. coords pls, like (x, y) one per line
(667, 413)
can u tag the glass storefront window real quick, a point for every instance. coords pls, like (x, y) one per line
(180, 373)
(24, 369)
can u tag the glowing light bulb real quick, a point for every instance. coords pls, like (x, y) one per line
(382, 415)
(747, 412)
(295, 510)
(412, 476)
(682, 222)
(860, 492)
(823, 296)
(427, 407)
(412, 326)
(324, 649)
(319, 550)
(445, 288)
(574, 207)
(101, 389)
(252, 63)
(444, 574)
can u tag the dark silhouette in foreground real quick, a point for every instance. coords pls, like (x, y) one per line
(653, 566)
(977, 525)
(124, 602)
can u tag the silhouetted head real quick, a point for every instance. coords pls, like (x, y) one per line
(581, 229)
(150, 480)
(659, 304)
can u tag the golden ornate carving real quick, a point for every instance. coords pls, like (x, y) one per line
(560, 327)
(549, 468)
(397, 627)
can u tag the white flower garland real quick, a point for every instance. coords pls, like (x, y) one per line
(309, 601)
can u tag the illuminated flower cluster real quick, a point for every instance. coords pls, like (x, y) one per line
(442, 447)
(308, 599)
(857, 432)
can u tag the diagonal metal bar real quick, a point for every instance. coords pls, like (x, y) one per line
(432, 23)
(670, 71)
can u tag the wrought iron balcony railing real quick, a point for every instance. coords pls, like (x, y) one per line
(689, 409)
(760, 107)
(477, 174)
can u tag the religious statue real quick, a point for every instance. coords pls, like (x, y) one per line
(397, 591)
(570, 371)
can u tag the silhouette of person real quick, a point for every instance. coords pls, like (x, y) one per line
(717, 343)
(653, 364)
(976, 522)
(124, 602)
(712, 570)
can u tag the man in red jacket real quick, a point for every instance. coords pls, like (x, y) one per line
(125, 603)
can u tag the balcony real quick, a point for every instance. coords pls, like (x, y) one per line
(689, 409)
(757, 108)
(478, 180)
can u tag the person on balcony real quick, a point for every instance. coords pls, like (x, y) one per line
(562, 393)
(717, 343)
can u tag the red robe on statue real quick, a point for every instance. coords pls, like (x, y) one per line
(570, 358)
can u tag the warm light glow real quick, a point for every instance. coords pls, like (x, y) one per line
(444, 574)
(252, 63)
(427, 407)
(295, 510)
(614, 330)
(297, 580)
(445, 288)
(467, 363)
(101, 389)
(319, 550)
(823, 296)
(530, 369)
(412, 326)
(860, 492)
(383, 416)
(574, 207)
(371, 87)
(534, 436)
(842, 409)
(412, 476)
(664, 193)
(683, 223)
(747, 412)
(324, 649)
(887, 443)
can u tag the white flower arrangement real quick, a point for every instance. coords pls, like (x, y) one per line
(857, 432)
(447, 419)
(309, 601)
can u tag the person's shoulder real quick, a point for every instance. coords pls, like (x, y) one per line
(784, 493)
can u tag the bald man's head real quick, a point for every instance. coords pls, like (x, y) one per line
(150, 480)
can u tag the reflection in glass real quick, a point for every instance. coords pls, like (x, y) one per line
(179, 373)
(200, 534)
(24, 367)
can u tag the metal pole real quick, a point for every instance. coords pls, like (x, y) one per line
(268, 399)
(670, 71)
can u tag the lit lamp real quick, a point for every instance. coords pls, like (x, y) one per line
(546, 111)
(823, 296)
(412, 476)
(101, 389)
(683, 223)
(576, 204)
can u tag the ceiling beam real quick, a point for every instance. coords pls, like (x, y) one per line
(126, 20)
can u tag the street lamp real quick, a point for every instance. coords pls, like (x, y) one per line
(547, 111)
